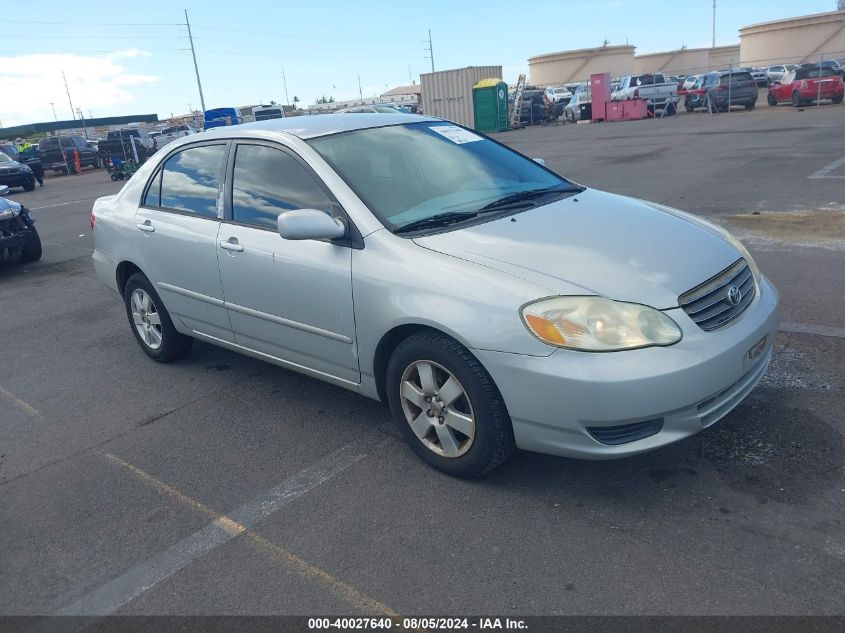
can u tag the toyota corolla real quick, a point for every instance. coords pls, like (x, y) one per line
(490, 302)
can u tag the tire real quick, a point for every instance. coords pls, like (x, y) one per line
(114, 177)
(750, 106)
(147, 313)
(796, 99)
(478, 409)
(838, 100)
(30, 186)
(32, 250)
(771, 99)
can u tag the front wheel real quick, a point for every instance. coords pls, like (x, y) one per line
(29, 185)
(150, 322)
(32, 249)
(447, 406)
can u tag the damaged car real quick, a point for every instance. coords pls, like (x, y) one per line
(19, 240)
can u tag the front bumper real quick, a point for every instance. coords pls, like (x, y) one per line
(554, 400)
(16, 180)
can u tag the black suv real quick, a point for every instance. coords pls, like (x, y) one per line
(51, 156)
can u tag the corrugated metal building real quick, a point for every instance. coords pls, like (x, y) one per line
(448, 93)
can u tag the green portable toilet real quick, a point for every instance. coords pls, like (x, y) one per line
(490, 100)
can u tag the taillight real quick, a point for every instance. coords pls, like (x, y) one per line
(93, 219)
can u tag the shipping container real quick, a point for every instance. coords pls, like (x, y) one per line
(448, 93)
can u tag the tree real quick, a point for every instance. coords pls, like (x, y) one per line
(323, 99)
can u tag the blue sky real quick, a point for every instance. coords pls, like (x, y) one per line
(122, 58)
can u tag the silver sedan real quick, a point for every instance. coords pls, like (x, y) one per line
(492, 303)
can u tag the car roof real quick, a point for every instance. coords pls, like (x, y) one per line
(314, 125)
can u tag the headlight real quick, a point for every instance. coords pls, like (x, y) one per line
(25, 169)
(595, 324)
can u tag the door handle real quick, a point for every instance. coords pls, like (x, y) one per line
(231, 245)
(146, 226)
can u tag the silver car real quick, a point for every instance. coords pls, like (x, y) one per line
(492, 303)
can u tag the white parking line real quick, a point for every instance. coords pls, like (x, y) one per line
(120, 590)
(824, 171)
(60, 204)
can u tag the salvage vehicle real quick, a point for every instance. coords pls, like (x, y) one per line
(579, 107)
(492, 303)
(19, 240)
(15, 174)
(62, 160)
(122, 146)
(660, 94)
(730, 88)
(807, 84)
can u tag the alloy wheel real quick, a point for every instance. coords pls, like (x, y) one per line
(147, 319)
(437, 408)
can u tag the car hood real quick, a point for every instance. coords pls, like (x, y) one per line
(597, 243)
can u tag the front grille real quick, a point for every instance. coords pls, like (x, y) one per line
(709, 305)
(624, 433)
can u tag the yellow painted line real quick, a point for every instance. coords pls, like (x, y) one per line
(342, 590)
(23, 406)
(346, 592)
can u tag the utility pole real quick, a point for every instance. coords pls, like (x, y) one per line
(285, 81)
(714, 23)
(82, 118)
(59, 138)
(194, 55)
(360, 92)
(430, 50)
(72, 111)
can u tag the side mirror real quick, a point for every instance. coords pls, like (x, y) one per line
(540, 161)
(4, 189)
(310, 224)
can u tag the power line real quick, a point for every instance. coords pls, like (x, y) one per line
(63, 23)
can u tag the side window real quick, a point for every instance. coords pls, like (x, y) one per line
(153, 196)
(267, 182)
(189, 180)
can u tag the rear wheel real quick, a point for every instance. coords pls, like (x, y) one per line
(32, 250)
(447, 406)
(796, 99)
(838, 99)
(30, 184)
(771, 99)
(750, 106)
(150, 322)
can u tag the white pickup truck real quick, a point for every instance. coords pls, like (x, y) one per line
(653, 87)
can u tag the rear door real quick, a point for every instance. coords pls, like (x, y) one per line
(289, 300)
(177, 227)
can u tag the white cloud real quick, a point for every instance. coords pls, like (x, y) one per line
(33, 81)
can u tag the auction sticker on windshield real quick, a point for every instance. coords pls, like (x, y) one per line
(456, 134)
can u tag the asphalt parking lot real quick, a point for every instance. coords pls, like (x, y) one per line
(222, 485)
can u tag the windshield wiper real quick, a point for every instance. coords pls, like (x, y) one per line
(436, 221)
(524, 198)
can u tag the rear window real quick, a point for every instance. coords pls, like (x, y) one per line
(736, 77)
(813, 73)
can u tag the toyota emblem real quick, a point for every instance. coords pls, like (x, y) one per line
(734, 295)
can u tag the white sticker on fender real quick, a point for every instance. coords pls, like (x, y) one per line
(456, 134)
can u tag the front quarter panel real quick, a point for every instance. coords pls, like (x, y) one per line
(396, 282)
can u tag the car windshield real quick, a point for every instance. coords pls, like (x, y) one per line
(4, 158)
(420, 171)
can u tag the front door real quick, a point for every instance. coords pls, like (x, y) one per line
(289, 300)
